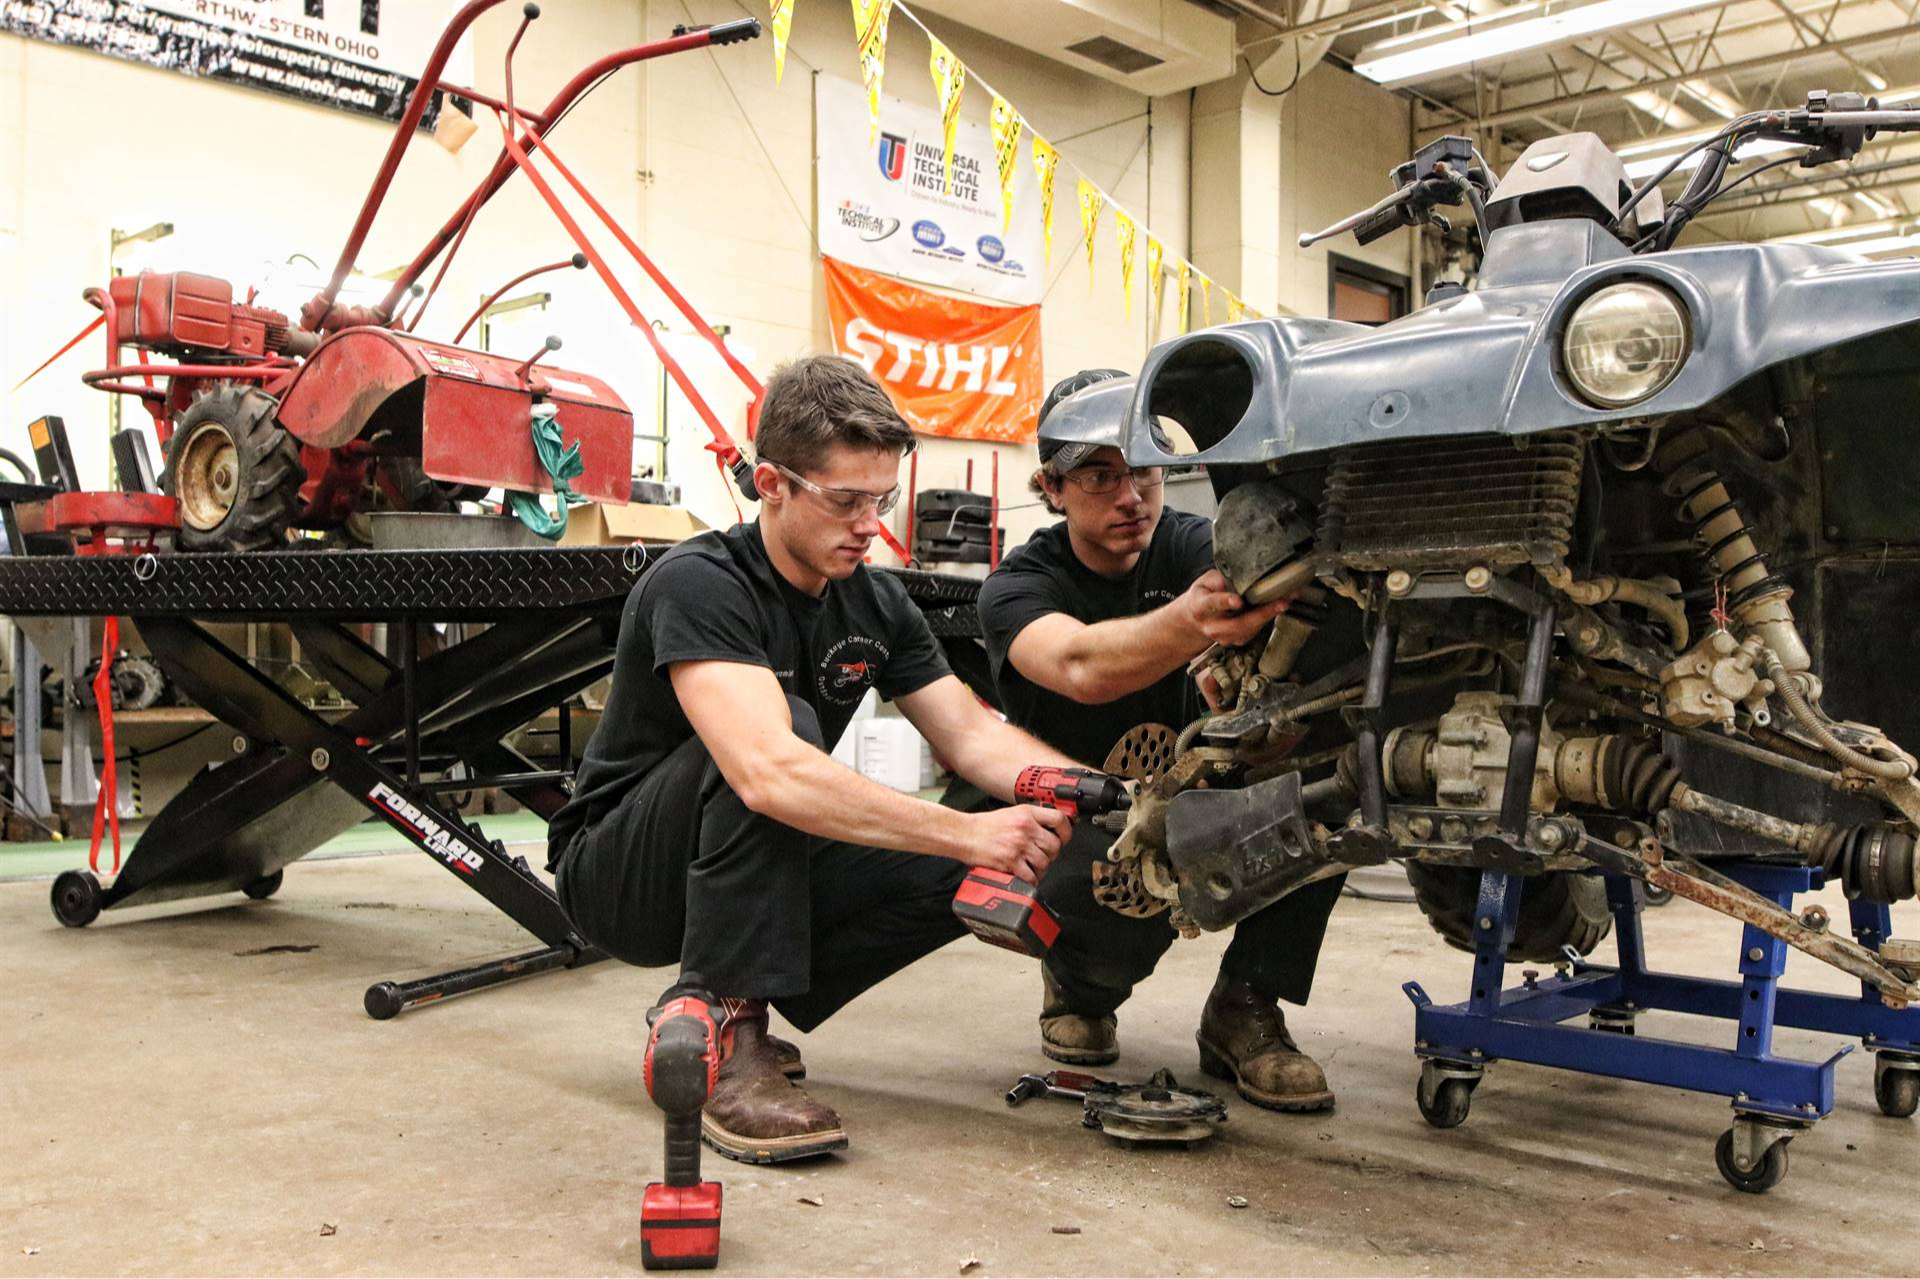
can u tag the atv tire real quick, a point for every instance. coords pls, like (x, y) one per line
(235, 470)
(1557, 909)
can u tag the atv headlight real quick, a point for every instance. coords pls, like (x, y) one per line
(1624, 343)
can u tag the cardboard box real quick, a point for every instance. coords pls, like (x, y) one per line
(602, 525)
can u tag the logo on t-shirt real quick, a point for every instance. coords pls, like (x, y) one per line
(849, 669)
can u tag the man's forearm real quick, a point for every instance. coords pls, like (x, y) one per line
(813, 792)
(993, 757)
(1108, 660)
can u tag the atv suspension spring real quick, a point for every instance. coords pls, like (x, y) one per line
(1702, 485)
(1877, 862)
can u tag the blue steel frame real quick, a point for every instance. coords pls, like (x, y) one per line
(1523, 1023)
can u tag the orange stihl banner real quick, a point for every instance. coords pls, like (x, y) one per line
(954, 368)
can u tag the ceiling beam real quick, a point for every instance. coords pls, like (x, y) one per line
(1763, 62)
(1762, 199)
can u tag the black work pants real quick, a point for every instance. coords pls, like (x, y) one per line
(681, 872)
(1101, 955)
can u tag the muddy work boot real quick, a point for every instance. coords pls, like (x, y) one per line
(1244, 1038)
(759, 1116)
(1067, 1036)
(788, 1055)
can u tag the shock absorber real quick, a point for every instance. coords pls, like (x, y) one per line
(1756, 596)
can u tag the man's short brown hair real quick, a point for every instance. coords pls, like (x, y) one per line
(819, 401)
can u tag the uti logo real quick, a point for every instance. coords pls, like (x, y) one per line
(893, 156)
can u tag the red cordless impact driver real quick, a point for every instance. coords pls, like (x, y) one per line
(1002, 908)
(680, 1217)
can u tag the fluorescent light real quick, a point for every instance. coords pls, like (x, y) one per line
(1886, 244)
(1492, 43)
(1829, 234)
(1874, 202)
(1664, 110)
(1752, 147)
(1721, 104)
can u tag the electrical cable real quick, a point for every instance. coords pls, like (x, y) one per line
(1275, 93)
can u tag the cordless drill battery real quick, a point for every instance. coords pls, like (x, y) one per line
(1005, 910)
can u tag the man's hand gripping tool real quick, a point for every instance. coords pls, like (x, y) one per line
(1002, 908)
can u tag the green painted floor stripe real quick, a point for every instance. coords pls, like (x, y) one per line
(47, 858)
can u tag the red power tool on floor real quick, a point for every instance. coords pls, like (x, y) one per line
(1002, 908)
(680, 1217)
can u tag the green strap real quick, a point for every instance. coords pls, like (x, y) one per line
(562, 463)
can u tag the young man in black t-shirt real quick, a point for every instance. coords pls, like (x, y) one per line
(710, 828)
(1089, 628)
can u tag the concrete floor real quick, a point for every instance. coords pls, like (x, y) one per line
(176, 1101)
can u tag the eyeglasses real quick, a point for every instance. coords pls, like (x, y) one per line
(847, 504)
(1100, 480)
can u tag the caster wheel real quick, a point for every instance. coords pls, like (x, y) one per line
(1758, 1180)
(1896, 1089)
(263, 888)
(382, 1001)
(1448, 1105)
(76, 898)
(1657, 896)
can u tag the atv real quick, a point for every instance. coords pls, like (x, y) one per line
(1603, 563)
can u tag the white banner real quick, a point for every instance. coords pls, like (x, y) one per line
(356, 55)
(882, 206)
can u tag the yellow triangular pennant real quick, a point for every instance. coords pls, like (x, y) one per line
(1156, 255)
(1234, 308)
(949, 82)
(1046, 162)
(780, 24)
(1006, 154)
(1091, 200)
(870, 30)
(1123, 228)
(1186, 292)
(1206, 300)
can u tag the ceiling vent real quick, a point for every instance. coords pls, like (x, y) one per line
(1109, 52)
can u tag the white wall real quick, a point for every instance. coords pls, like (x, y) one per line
(701, 154)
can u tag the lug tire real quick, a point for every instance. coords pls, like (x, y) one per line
(240, 471)
(1556, 909)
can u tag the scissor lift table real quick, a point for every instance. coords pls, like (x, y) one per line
(297, 778)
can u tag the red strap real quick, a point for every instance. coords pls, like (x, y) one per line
(79, 337)
(106, 805)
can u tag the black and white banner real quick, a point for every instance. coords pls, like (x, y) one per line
(362, 56)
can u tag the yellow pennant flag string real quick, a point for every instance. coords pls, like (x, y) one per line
(1156, 256)
(1186, 287)
(780, 24)
(1123, 227)
(1046, 161)
(1206, 300)
(1006, 154)
(1091, 201)
(870, 29)
(949, 81)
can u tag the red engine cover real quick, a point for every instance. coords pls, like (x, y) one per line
(179, 310)
(475, 411)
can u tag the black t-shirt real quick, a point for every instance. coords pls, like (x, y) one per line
(718, 597)
(1045, 576)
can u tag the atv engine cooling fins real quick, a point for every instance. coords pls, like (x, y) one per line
(1479, 499)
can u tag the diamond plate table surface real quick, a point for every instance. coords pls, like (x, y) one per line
(462, 585)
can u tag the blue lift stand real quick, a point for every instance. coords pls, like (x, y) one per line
(1774, 1098)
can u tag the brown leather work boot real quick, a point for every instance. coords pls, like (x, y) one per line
(1067, 1036)
(1244, 1038)
(788, 1055)
(759, 1116)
